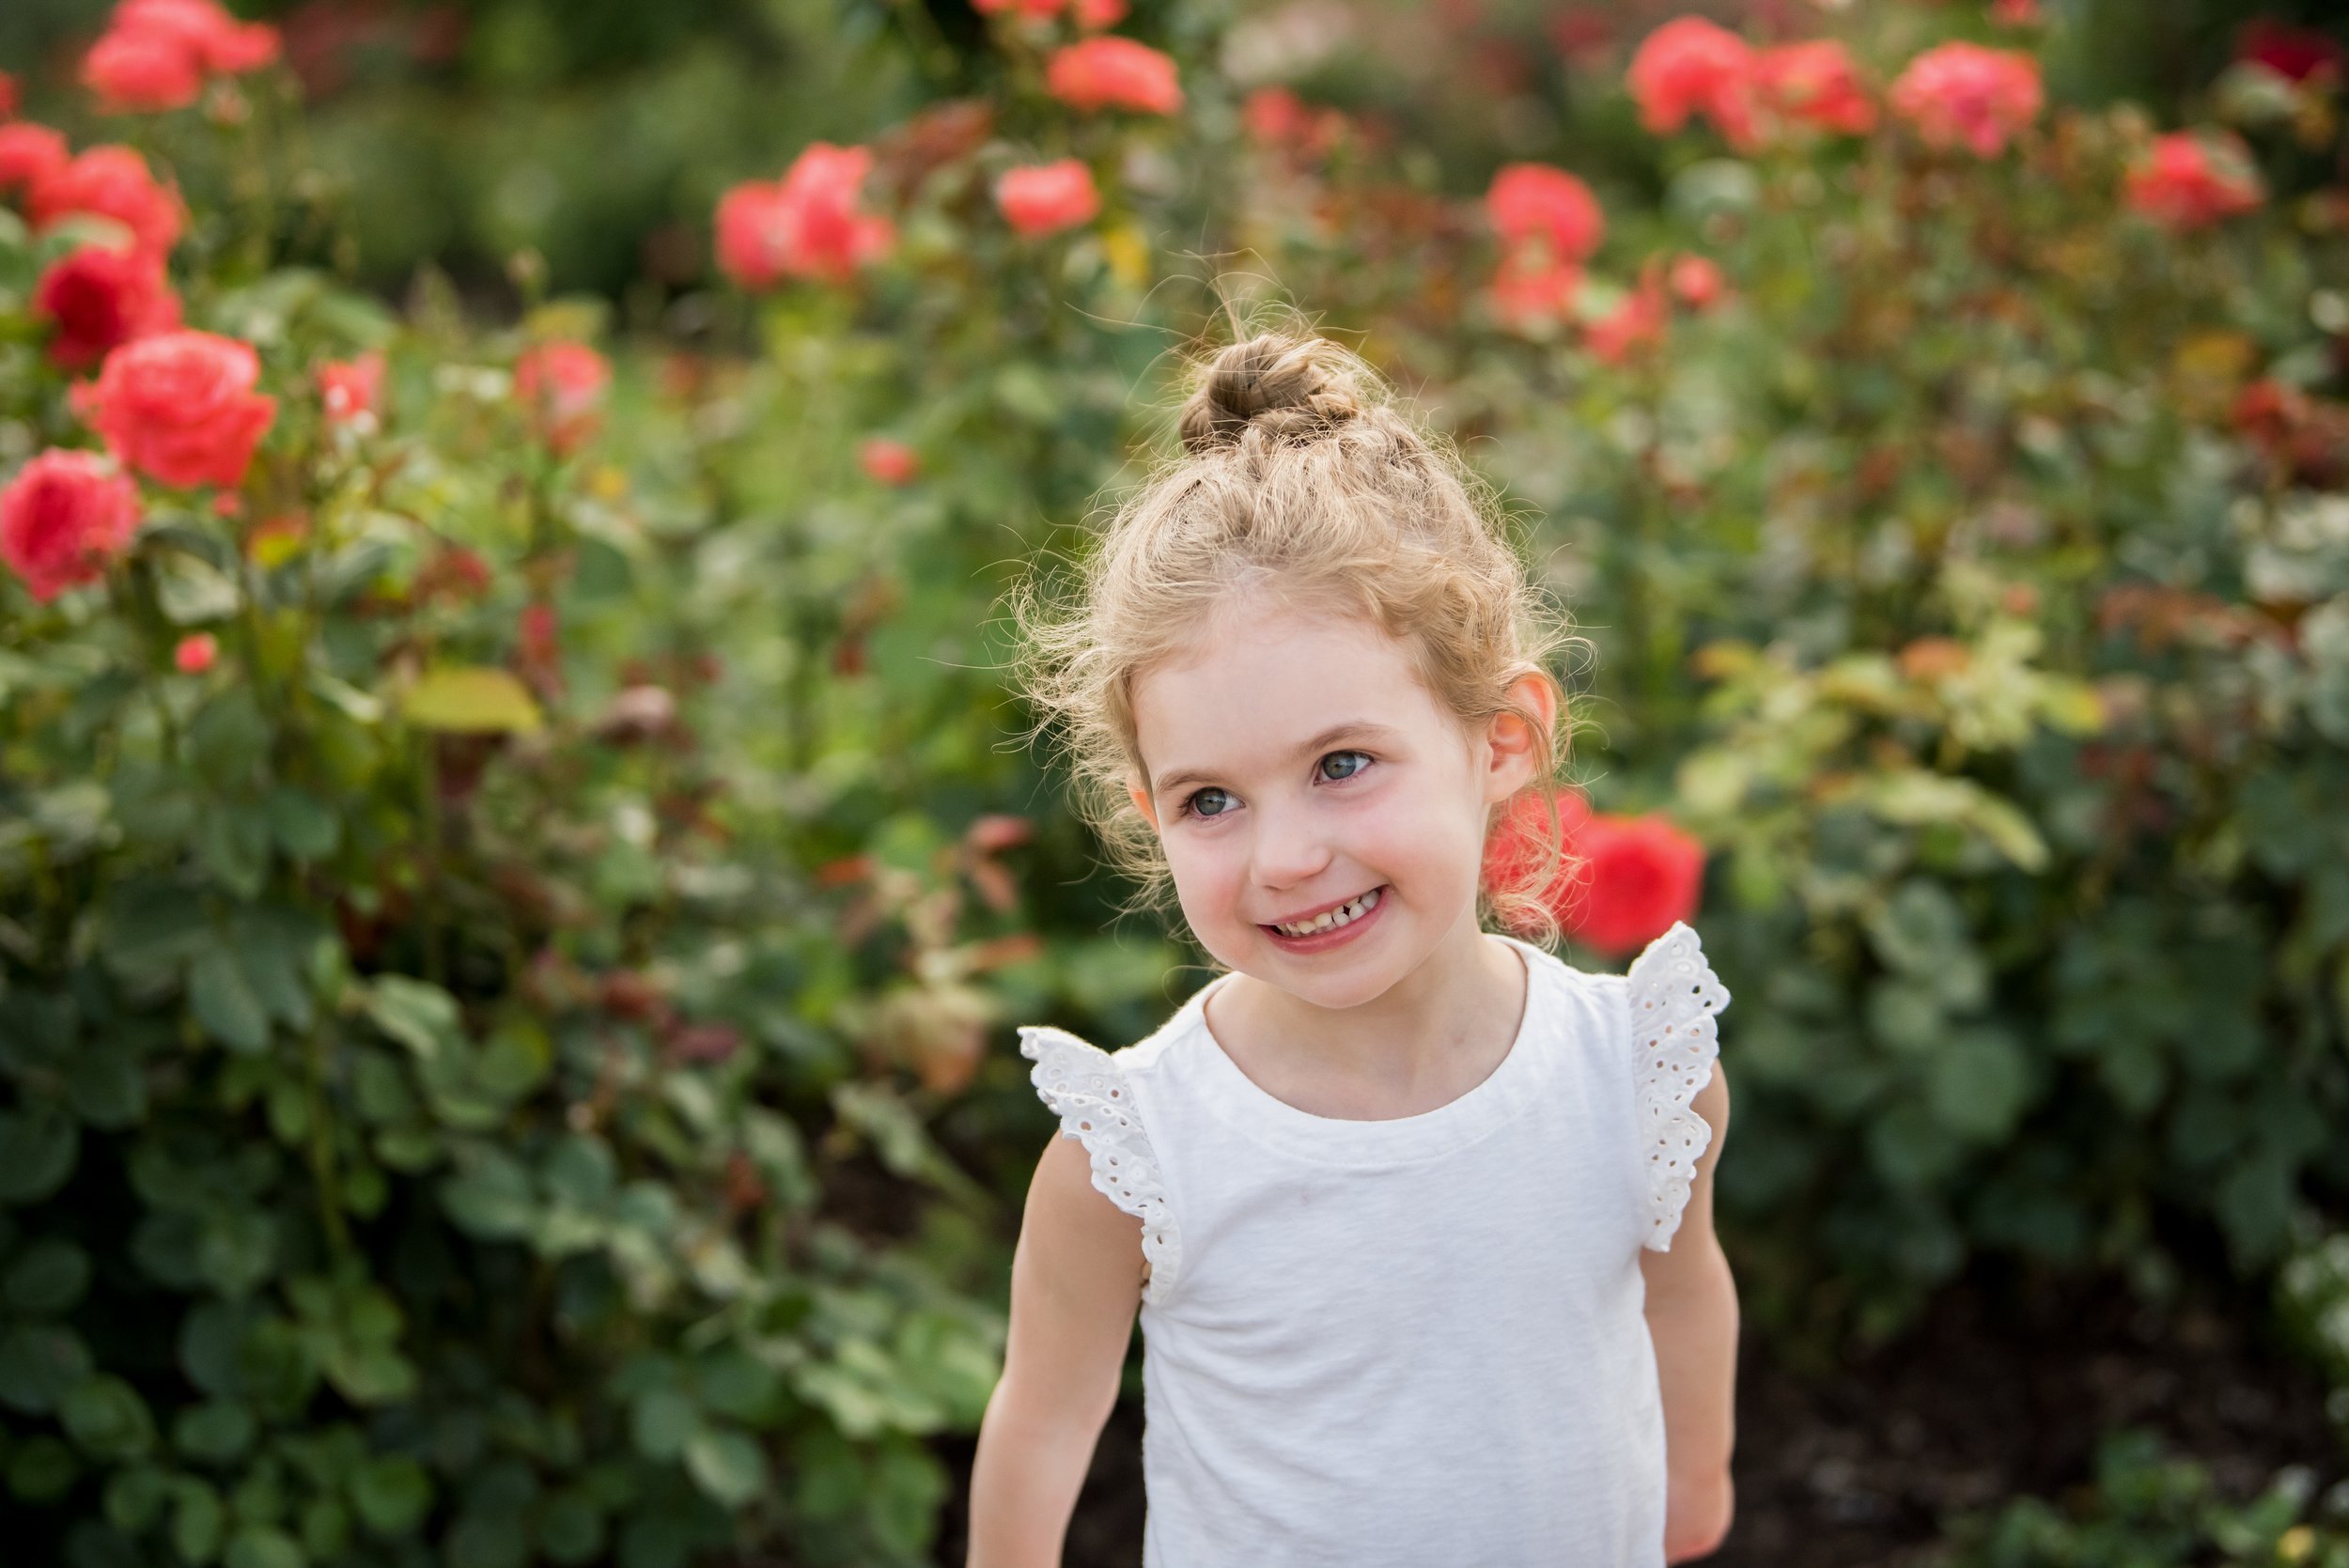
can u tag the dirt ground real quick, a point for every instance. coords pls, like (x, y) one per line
(1998, 1391)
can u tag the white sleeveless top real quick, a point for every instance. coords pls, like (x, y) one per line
(1409, 1342)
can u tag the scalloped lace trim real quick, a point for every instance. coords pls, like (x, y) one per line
(1080, 1084)
(1675, 995)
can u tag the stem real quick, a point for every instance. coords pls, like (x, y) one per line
(321, 1150)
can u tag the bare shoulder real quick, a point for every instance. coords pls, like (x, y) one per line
(1088, 1243)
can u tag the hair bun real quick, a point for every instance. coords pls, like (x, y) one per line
(1291, 388)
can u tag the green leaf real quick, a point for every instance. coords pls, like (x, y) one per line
(228, 739)
(263, 1547)
(191, 590)
(148, 928)
(218, 1430)
(492, 1197)
(391, 1493)
(135, 1498)
(197, 1520)
(470, 699)
(305, 828)
(223, 1001)
(41, 1469)
(39, 1362)
(38, 1144)
(105, 1085)
(417, 1014)
(47, 1278)
(1977, 1082)
(107, 1419)
(726, 1464)
(662, 1420)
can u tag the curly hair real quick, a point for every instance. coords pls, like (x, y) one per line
(1298, 475)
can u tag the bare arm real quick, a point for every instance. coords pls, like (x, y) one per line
(1692, 1318)
(1076, 1278)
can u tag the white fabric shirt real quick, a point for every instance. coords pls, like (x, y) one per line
(1417, 1342)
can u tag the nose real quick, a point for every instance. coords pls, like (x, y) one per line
(1289, 847)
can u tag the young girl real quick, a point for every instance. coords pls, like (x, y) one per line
(1398, 1198)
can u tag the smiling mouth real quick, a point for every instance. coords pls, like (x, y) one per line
(1329, 920)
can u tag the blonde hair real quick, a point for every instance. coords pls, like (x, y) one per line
(1298, 475)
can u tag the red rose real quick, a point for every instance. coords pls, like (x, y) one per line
(805, 225)
(1112, 72)
(560, 386)
(352, 390)
(892, 462)
(1963, 93)
(62, 517)
(29, 154)
(101, 298)
(1696, 281)
(1815, 83)
(196, 653)
(1644, 874)
(2190, 180)
(1093, 15)
(1517, 847)
(112, 182)
(2299, 53)
(1047, 197)
(179, 407)
(1535, 201)
(1690, 66)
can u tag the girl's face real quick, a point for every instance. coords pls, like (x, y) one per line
(1296, 766)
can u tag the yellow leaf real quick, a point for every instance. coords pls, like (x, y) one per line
(469, 697)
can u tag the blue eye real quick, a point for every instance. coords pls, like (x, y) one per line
(1189, 804)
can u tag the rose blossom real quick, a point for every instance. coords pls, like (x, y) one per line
(1529, 287)
(892, 462)
(1514, 850)
(804, 224)
(29, 154)
(2190, 180)
(1093, 15)
(1113, 73)
(1637, 321)
(352, 390)
(156, 53)
(101, 298)
(1047, 197)
(179, 407)
(1530, 201)
(1815, 83)
(2297, 54)
(196, 653)
(1690, 66)
(560, 386)
(1644, 874)
(112, 182)
(1965, 93)
(1696, 280)
(62, 517)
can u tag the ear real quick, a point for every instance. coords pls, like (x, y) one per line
(1142, 803)
(1519, 750)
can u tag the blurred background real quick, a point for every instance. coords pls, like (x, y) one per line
(519, 861)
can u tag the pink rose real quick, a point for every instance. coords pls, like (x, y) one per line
(892, 462)
(352, 390)
(62, 517)
(29, 154)
(112, 182)
(1531, 288)
(142, 71)
(1964, 94)
(1094, 15)
(2191, 179)
(98, 298)
(1696, 281)
(1530, 201)
(196, 653)
(179, 407)
(1049, 196)
(1114, 73)
(1690, 66)
(1638, 321)
(561, 386)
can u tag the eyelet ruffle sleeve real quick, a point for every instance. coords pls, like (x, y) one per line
(1673, 995)
(1081, 1085)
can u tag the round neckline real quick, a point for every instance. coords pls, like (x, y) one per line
(1461, 1120)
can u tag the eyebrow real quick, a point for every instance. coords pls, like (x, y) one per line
(1328, 737)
